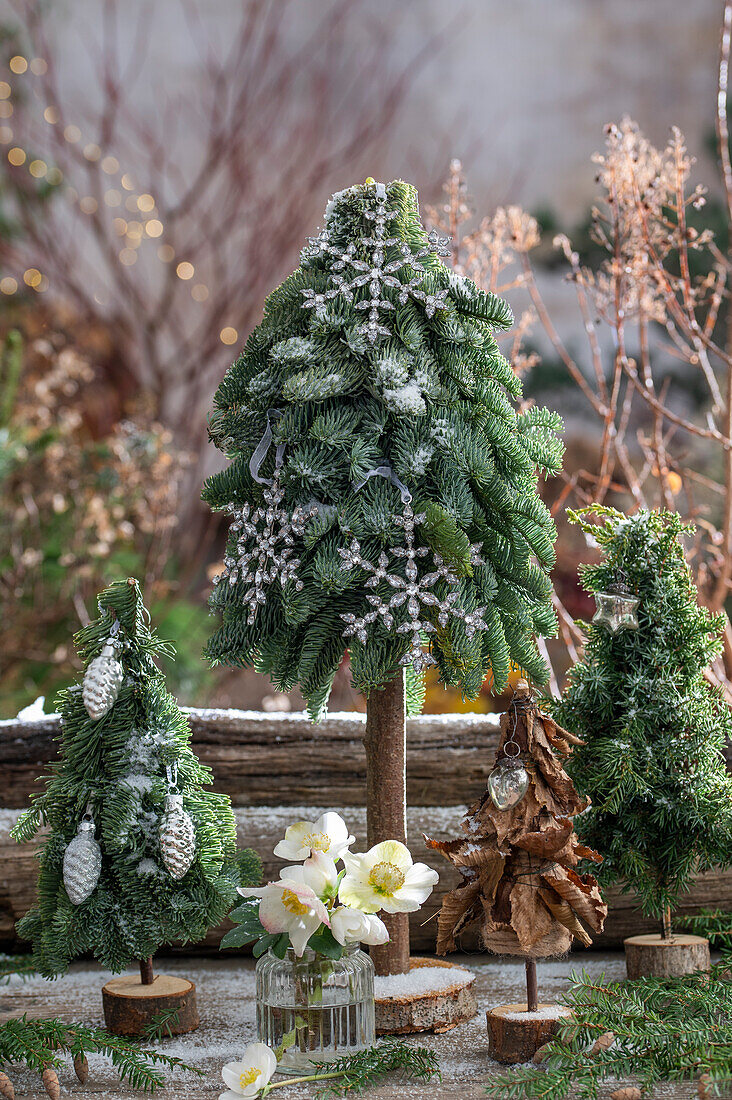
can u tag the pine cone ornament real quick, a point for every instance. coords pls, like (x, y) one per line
(629, 1092)
(81, 1068)
(82, 863)
(50, 1083)
(6, 1087)
(177, 837)
(102, 680)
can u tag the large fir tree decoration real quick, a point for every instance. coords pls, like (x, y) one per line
(409, 528)
(653, 727)
(139, 854)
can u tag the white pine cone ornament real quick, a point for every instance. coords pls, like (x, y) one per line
(82, 863)
(177, 837)
(102, 681)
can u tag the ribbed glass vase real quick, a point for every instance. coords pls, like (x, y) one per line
(325, 1006)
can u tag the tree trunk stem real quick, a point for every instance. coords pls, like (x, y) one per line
(532, 988)
(386, 799)
(666, 924)
(146, 971)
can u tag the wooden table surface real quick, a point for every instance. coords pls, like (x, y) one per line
(226, 1003)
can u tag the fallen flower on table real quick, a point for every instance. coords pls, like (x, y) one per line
(386, 878)
(248, 1077)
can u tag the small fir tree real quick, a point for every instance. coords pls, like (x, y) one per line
(654, 727)
(397, 506)
(147, 884)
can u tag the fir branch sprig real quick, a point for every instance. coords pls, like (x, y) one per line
(39, 1044)
(367, 1067)
(663, 1030)
(714, 924)
(16, 966)
(161, 1025)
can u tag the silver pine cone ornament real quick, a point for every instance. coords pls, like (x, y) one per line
(102, 680)
(177, 837)
(82, 863)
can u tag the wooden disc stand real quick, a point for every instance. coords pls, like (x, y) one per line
(131, 1003)
(515, 1032)
(667, 955)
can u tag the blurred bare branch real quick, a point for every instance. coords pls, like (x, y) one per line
(174, 217)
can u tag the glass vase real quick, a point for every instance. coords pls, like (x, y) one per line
(324, 1008)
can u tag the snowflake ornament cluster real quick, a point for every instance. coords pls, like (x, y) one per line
(348, 272)
(413, 590)
(263, 552)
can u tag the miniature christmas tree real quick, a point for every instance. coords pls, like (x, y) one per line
(520, 851)
(138, 854)
(654, 727)
(383, 488)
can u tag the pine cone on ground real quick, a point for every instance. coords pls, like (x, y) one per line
(50, 1083)
(81, 1068)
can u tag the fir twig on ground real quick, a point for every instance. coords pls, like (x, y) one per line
(663, 1030)
(368, 1067)
(41, 1043)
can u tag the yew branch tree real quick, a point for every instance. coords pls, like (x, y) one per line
(382, 488)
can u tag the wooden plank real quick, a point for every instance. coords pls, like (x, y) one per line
(259, 758)
(260, 827)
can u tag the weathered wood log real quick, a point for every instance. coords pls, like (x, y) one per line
(263, 758)
(130, 1006)
(259, 758)
(436, 1010)
(260, 827)
(515, 1035)
(653, 956)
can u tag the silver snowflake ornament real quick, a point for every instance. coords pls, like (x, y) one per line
(413, 591)
(264, 546)
(349, 273)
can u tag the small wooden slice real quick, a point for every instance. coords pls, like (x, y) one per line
(129, 1006)
(515, 1035)
(653, 956)
(441, 1009)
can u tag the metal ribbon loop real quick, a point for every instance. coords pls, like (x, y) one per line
(386, 471)
(260, 451)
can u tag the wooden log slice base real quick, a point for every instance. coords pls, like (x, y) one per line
(129, 1006)
(512, 1040)
(435, 1010)
(653, 956)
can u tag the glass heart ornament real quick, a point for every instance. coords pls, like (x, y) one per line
(508, 783)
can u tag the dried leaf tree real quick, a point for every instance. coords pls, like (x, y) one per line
(520, 850)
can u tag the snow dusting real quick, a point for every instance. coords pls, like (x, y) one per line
(421, 980)
(546, 1012)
